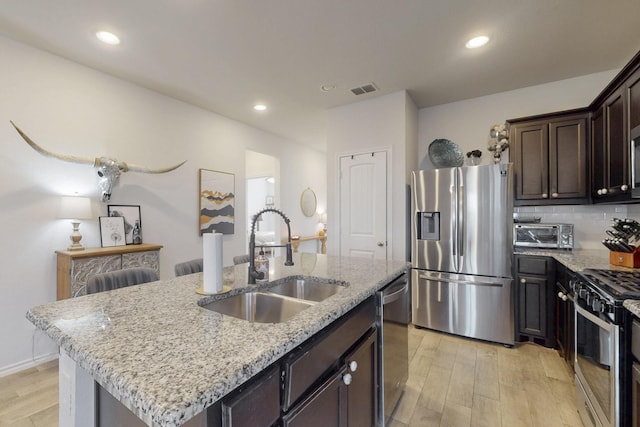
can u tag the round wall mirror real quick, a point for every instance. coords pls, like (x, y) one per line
(308, 202)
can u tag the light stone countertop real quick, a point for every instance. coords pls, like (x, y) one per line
(578, 260)
(167, 359)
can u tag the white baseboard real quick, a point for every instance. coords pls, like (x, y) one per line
(11, 369)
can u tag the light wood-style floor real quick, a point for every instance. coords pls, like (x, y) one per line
(29, 398)
(460, 382)
(453, 382)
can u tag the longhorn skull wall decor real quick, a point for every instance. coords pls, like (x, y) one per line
(108, 170)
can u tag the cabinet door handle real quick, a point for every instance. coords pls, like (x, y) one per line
(523, 280)
(624, 187)
(554, 195)
(353, 366)
(381, 244)
(604, 191)
(545, 195)
(346, 378)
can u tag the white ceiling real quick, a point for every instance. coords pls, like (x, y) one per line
(226, 55)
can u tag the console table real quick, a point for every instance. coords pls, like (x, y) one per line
(295, 242)
(75, 267)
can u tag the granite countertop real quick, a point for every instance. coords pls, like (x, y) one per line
(577, 259)
(167, 359)
(580, 259)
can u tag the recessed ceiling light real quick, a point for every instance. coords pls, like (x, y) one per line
(107, 37)
(259, 107)
(477, 42)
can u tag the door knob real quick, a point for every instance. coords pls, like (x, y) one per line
(353, 366)
(381, 244)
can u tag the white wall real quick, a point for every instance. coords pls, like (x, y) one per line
(467, 123)
(68, 108)
(383, 123)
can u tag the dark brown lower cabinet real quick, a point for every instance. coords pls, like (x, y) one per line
(326, 407)
(535, 285)
(346, 398)
(565, 321)
(329, 381)
(363, 390)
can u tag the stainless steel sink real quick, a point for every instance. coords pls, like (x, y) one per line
(259, 307)
(306, 289)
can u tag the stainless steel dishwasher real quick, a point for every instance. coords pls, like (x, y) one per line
(393, 338)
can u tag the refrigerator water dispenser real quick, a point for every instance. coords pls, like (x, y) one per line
(428, 225)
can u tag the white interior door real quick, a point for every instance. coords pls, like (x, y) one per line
(363, 205)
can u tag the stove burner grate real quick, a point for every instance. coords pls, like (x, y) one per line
(620, 284)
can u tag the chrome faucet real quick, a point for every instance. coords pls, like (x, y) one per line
(253, 274)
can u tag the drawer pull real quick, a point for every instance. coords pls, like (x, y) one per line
(346, 378)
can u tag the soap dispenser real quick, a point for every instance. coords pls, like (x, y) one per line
(262, 266)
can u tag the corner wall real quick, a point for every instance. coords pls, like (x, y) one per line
(72, 109)
(386, 122)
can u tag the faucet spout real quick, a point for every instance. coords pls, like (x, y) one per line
(253, 274)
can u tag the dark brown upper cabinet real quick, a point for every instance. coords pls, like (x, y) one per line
(610, 166)
(615, 116)
(550, 156)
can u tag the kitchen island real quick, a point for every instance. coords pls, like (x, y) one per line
(167, 359)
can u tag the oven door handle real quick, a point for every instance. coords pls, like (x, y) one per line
(594, 319)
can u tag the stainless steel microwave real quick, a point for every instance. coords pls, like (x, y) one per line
(551, 236)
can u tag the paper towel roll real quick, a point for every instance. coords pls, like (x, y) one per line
(212, 262)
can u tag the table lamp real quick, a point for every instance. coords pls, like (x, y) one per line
(75, 209)
(323, 221)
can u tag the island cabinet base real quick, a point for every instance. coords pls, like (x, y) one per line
(330, 380)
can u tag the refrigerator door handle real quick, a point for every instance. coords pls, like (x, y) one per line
(460, 213)
(464, 282)
(455, 241)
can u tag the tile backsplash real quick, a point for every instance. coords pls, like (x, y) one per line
(589, 221)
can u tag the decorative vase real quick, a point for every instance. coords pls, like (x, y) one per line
(474, 161)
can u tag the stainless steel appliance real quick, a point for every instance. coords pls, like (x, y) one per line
(553, 236)
(394, 302)
(602, 345)
(461, 251)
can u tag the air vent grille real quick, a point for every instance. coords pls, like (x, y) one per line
(361, 90)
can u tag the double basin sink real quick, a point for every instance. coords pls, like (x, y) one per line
(277, 303)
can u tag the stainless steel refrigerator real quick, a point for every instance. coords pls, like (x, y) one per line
(461, 250)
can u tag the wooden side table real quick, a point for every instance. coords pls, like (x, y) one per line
(75, 267)
(295, 242)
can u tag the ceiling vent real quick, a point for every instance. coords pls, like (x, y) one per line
(369, 87)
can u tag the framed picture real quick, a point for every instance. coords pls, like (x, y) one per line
(130, 214)
(112, 231)
(217, 202)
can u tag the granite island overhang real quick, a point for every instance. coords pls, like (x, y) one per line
(167, 359)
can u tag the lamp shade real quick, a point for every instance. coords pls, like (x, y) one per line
(74, 208)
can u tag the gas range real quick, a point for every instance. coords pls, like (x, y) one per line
(605, 290)
(618, 284)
